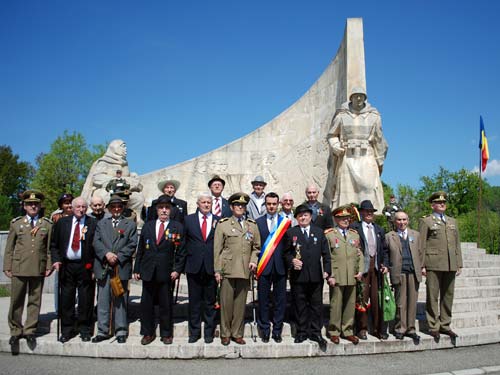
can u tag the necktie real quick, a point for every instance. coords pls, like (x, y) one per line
(115, 223)
(271, 223)
(160, 233)
(344, 233)
(204, 228)
(32, 222)
(75, 244)
(306, 235)
(217, 210)
(443, 219)
(240, 220)
(372, 246)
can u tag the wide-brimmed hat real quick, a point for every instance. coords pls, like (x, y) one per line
(241, 198)
(367, 205)
(259, 179)
(161, 184)
(115, 199)
(301, 209)
(216, 178)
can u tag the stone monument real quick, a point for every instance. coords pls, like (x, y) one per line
(103, 171)
(291, 150)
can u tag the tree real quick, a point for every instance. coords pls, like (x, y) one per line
(64, 168)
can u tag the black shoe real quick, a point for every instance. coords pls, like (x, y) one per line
(320, 340)
(85, 338)
(193, 339)
(100, 338)
(398, 335)
(265, 339)
(121, 339)
(299, 339)
(31, 340)
(362, 335)
(14, 340)
(383, 336)
(277, 338)
(209, 339)
(448, 332)
(413, 336)
(64, 338)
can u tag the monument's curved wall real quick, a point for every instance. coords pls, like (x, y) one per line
(289, 151)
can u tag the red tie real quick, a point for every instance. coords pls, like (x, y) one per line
(75, 244)
(217, 207)
(160, 233)
(204, 228)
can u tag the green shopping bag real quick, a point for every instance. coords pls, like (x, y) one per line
(386, 300)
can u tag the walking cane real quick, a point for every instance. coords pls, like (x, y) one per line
(58, 303)
(253, 324)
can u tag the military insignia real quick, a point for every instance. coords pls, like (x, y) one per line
(411, 239)
(315, 239)
(249, 235)
(294, 240)
(167, 234)
(223, 220)
(147, 244)
(233, 230)
(337, 243)
(297, 251)
(34, 230)
(84, 230)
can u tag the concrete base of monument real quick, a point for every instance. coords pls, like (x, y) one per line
(475, 320)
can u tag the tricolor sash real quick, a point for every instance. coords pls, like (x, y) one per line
(271, 242)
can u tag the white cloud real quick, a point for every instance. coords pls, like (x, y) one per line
(492, 168)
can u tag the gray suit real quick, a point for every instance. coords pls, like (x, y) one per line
(122, 241)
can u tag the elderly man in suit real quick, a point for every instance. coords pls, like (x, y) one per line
(375, 265)
(197, 261)
(440, 242)
(321, 214)
(158, 267)
(405, 264)
(179, 206)
(73, 256)
(308, 256)
(115, 242)
(27, 262)
(271, 270)
(236, 249)
(347, 263)
(220, 205)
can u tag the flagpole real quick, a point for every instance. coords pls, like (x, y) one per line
(480, 184)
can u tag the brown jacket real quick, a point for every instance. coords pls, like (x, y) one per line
(396, 254)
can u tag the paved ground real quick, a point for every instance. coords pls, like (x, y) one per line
(477, 360)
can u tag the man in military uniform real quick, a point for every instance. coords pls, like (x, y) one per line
(26, 263)
(236, 250)
(347, 266)
(440, 243)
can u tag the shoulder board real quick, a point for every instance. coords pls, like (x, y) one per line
(426, 216)
(353, 230)
(16, 219)
(47, 220)
(251, 221)
(223, 220)
(328, 230)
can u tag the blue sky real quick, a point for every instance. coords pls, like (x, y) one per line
(178, 79)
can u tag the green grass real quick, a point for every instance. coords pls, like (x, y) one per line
(4, 291)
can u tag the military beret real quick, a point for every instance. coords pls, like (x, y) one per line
(438, 196)
(216, 178)
(33, 196)
(301, 209)
(241, 198)
(342, 211)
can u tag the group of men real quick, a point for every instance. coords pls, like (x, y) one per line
(220, 248)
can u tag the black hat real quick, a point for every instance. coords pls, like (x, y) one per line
(64, 197)
(216, 178)
(367, 205)
(164, 199)
(33, 196)
(115, 199)
(302, 208)
(241, 198)
(438, 196)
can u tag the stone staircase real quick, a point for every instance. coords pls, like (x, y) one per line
(475, 318)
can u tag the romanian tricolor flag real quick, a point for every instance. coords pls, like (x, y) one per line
(483, 145)
(271, 242)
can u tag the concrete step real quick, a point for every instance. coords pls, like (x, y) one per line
(48, 345)
(469, 292)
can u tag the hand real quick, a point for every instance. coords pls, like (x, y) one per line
(331, 281)
(57, 266)
(174, 275)
(112, 258)
(424, 272)
(358, 276)
(297, 264)
(8, 273)
(136, 276)
(252, 267)
(459, 271)
(384, 269)
(218, 277)
(48, 272)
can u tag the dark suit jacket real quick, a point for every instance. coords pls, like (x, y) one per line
(324, 219)
(156, 262)
(314, 251)
(225, 209)
(178, 212)
(382, 255)
(60, 243)
(197, 254)
(277, 259)
(121, 240)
